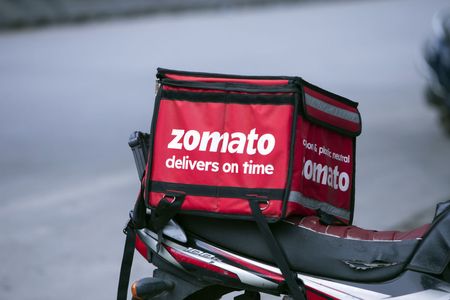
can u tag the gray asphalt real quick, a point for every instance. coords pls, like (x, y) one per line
(70, 96)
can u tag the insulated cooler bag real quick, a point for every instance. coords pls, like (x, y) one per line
(218, 140)
(245, 147)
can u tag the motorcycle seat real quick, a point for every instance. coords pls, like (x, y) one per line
(340, 252)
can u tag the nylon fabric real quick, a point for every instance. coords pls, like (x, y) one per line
(218, 138)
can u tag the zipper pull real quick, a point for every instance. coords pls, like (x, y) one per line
(157, 86)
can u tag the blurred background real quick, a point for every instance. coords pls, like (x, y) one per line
(77, 77)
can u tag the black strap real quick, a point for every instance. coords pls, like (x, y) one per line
(127, 261)
(139, 213)
(167, 208)
(137, 220)
(278, 255)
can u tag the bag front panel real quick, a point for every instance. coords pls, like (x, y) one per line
(222, 144)
(218, 152)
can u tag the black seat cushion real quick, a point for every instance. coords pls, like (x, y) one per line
(341, 252)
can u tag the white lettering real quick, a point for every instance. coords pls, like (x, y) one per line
(175, 143)
(215, 138)
(210, 141)
(237, 144)
(252, 137)
(191, 140)
(308, 170)
(344, 181)
(260, 169)
(325, 175)
(185, 163)
(318, 172)
(266, 144)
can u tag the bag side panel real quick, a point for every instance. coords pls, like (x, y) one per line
(323, 175)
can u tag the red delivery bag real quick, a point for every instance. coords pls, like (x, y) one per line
(219, 140)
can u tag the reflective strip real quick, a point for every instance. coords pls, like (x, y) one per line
(331, 109)
(299, 198)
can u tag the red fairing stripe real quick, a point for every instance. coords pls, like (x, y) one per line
(141, 247)
(313, 294)
(183, 258)
(264, 82)
(258, 270)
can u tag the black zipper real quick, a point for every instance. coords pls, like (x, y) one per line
(229, 86)
(162, 72)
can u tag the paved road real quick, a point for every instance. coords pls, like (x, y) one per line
(70, 96)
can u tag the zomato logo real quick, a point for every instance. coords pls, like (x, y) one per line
(236, 142)
(326, 175)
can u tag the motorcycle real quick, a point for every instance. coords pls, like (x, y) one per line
(437, 59)
(200, 257)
